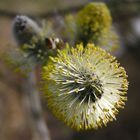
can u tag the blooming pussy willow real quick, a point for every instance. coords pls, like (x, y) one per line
(93, 21)
(84, 86)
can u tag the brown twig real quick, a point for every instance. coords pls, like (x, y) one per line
(125, 4)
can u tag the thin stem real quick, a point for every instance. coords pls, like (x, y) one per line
(33, 108)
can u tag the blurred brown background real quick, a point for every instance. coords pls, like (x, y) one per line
(13, 118)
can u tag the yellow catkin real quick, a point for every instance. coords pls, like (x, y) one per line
(84, 86)
(93, 21)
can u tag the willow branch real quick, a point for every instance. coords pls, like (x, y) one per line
(33, 108)
(50, 14)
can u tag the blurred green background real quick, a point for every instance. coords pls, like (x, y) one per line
(13, 121)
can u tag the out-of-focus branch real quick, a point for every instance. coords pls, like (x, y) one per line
(11, 14)
(24, 29)
(33, 108)
(113, 5)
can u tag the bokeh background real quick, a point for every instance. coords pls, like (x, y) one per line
(14, 123)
